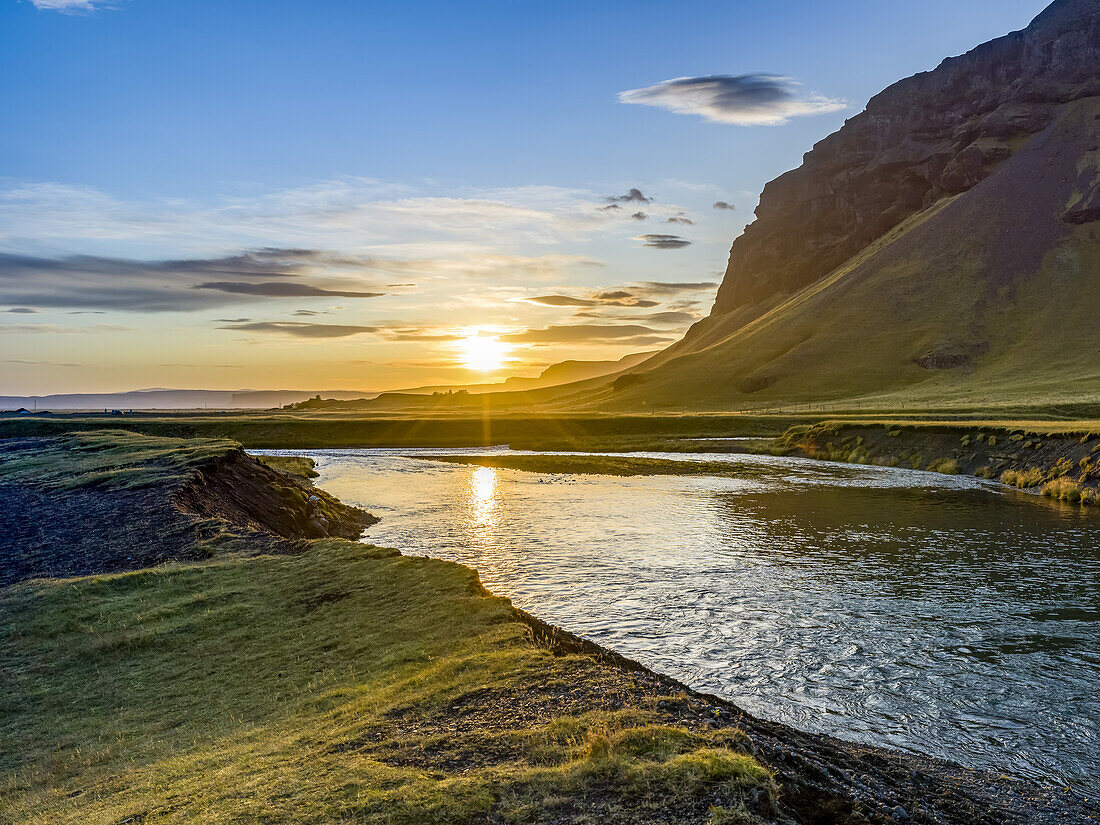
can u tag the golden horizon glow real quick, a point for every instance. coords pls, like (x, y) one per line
(483, 353)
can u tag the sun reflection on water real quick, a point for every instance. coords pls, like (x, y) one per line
(483, 487)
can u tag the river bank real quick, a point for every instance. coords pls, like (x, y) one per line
(1061, 462)
(254, 673)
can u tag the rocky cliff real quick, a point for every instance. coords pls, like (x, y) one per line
(923, 139)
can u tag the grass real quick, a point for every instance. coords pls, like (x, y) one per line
(344, 684)
(108, 458)
(320, 430)
(1070, 491)
(298, 465)
(611, 465)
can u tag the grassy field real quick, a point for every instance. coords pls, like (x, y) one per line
(317, 430)
(602, 433)
(339, 682)
(343, 684)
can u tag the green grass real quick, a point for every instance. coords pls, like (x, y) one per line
(298, 465)
(319, 430)
(108, 458)
(343, 684)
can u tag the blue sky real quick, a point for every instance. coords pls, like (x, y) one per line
(461, 147)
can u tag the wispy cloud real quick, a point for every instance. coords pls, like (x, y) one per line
(71, 6)
(90, 282)
(587, 334)
(673, 287)
(58, 329)
(275, 289)
(301, 329)
(328, 214)
(560, 301)
(663, 241)
(609, 298)
(743, 100)
(724, 205)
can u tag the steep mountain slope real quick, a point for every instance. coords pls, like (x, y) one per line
(941, 247)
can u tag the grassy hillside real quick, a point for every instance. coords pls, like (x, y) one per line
(986, 296)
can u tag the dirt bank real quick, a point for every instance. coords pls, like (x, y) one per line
(72, 506)
(1063, 465)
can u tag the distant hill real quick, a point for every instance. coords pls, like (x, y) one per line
(562, 373)
(943, 247)
(520, 391)
(168, 399)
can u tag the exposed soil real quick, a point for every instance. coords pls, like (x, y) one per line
(47, 530)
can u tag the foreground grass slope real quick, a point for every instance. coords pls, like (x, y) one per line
(343, 684)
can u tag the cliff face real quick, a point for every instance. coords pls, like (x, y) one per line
(927, 137)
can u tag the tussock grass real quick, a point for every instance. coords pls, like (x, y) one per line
(1070, 491)
(1024, 479)
(346, 684)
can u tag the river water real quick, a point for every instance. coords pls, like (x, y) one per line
(936, 614)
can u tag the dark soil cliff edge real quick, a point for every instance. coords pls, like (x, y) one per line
(110, 501)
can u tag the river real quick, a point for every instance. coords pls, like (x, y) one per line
(935, 614)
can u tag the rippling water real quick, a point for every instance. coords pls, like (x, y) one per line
(931, 613)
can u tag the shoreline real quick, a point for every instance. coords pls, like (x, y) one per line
(1062, 465)
(819, 778)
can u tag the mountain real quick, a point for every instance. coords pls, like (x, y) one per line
(940, 248)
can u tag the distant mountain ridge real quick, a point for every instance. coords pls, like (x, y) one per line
(168, 399)
(564, 372)
(942, 245)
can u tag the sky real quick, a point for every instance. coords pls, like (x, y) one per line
(350, 195)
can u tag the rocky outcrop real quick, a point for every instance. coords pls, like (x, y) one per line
(925, 138)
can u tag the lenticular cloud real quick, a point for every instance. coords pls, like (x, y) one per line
(743, 100)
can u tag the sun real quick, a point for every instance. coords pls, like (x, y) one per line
(483, 353)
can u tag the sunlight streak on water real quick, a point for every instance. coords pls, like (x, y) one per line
(932, 613)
